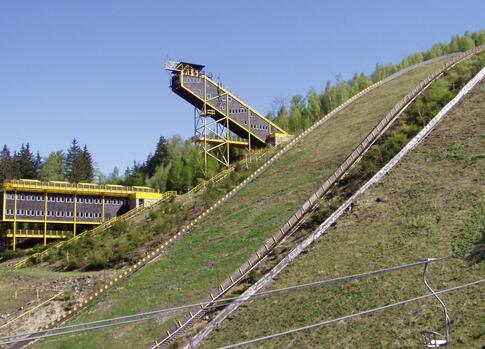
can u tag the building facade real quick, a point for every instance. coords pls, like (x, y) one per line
(47, 210)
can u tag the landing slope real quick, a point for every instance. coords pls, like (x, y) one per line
(215, 248)
(432, 204)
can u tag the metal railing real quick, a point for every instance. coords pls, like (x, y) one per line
(311, 203)
(35, 184)
(35, 233)
(31, 310)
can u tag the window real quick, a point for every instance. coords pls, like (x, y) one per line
(20, 212)
(10, 196)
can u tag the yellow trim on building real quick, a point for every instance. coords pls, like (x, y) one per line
(56, 187)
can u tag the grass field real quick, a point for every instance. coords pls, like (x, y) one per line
(215, 248)
(430, 205)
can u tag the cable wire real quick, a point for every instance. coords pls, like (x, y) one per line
(130, 319)
(350, 316)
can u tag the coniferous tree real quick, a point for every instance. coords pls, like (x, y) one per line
(160, 157)
(87, 165)
(25, 163)
(79, 164)
(73, 152)
(6, 164)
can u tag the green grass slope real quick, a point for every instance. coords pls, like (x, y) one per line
(218, 246)
(430, 205)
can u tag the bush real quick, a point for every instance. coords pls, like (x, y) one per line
(96, 260)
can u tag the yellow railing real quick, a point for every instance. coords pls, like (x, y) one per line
(35, 233)
(28, 312)
(258, 154)
(87, 187)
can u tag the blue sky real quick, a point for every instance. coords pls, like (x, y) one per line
(93, 69)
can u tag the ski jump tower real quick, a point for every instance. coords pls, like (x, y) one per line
(221, 119)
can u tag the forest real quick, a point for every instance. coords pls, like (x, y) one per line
(177, 164)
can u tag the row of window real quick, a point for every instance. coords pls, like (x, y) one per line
(52, 198)
(258, 127)
(40, 213)
(239, 110)
(189, 79)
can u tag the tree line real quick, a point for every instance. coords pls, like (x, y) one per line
(76, 165)
(174, 165)
(297, 113)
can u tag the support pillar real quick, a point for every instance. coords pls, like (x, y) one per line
(45, 217)
(75, 214)
(102, 214)
(14, 221)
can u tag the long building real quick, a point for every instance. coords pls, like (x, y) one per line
(31, 209)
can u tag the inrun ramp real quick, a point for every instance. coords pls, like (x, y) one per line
(221, 120)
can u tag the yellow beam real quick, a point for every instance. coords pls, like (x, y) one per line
(102, 214)
(45, 218)
(14, 220)
(39, 234)
(220, 141)
(4, 203)
(51, 221)
(75, 214)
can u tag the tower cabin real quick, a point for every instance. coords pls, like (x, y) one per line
(31, 209)
(243, 126)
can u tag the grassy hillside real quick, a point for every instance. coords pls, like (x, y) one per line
(432, 204)
(216, 247)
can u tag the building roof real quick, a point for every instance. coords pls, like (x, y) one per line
(79, 188)
(176, 65)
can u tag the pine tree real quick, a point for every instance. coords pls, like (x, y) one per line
(6, 165)
(160, 157)
(87, 165)
(79, 164)
(25, 163)
(72, 153)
